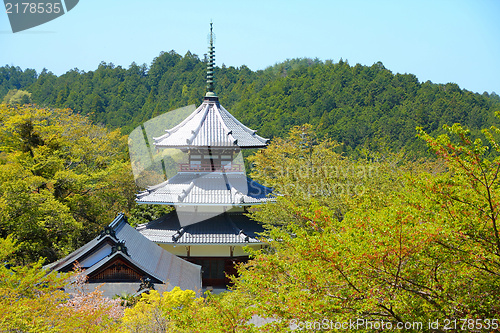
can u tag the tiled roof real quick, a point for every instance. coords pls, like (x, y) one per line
(142, 253)
(213, 188)
(226, 228)
(210, 125)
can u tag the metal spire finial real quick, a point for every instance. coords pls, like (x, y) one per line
(211, 65)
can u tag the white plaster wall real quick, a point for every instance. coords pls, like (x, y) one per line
(207, 250)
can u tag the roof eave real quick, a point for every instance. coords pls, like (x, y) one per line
(211, 147)
(206, 243)
(202, 204)
(131, 261)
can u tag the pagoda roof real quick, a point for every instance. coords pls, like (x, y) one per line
(210, 126)
(141, 253)
(214, 188)
(223, 229)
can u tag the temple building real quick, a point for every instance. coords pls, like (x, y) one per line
(200, 241)
(210, 192)
(123, 260)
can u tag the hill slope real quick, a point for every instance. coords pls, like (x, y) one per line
(358, 105)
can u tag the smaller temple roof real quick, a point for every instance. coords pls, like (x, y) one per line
(226, 228)
(212, 126)
(214, 188)
(120, 241)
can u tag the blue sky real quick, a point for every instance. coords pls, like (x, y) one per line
(439, 40)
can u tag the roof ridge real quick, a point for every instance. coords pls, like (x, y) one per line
(237, 135)
(229, 132)
(246, 128)
(197, 130)
(182, 123)
(186, 191)
(119, 218)
(81, 251)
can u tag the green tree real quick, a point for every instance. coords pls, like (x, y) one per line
(308, 171)
(15, 78)
(61, 179)
(32, 300)
(421, 244)
(357, 105)
(17, 97)
(146, 213)
(181, 311)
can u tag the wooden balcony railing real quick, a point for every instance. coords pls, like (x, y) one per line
(186, 167)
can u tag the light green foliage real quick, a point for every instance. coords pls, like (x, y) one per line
(17, 97)
(32, 300)
(180, 311)
(157, 312)
(468, 198)
(28, 296)
(309, 173)
(61, 179)
(420, 244)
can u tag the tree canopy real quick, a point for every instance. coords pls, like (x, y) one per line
(33, 300)
(360, 106)
(421, 244)
(360, 229)
(61, 179)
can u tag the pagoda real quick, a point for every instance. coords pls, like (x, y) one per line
(210, 191)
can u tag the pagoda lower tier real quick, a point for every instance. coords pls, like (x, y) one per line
(216, 243)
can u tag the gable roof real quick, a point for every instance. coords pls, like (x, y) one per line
(143, 254)
(112, 258)
(66, 264)
(210, 125)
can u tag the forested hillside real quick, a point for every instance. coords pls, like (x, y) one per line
(352, 238)
(15, 78)
(357, 105)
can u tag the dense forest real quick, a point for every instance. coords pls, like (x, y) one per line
(360, 106)
(357, 244)
(394, 242)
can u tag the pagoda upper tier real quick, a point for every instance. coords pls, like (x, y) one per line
(212, 126)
